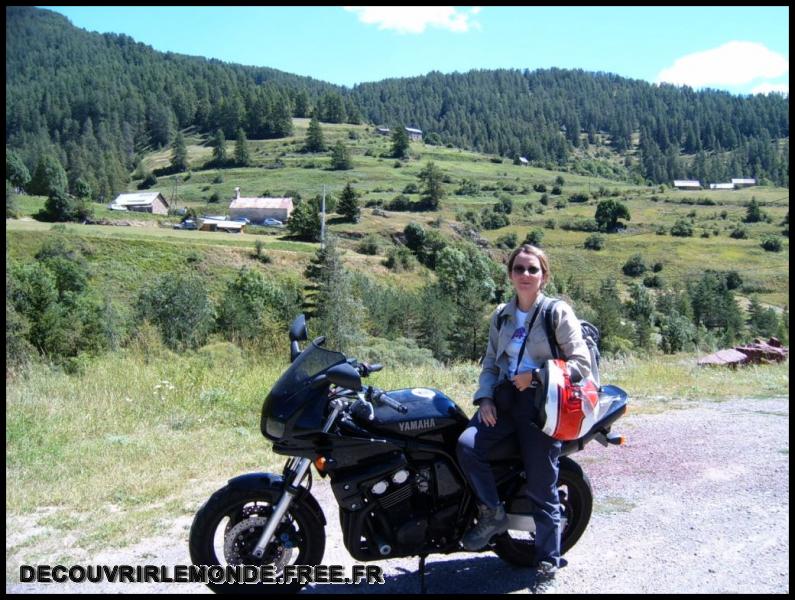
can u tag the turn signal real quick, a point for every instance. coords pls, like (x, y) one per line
(320, 463)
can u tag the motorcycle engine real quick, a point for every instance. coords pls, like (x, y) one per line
(418, 505)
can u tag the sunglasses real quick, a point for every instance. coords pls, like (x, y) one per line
(519, 270)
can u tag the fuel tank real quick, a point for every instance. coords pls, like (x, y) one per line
(431, 415)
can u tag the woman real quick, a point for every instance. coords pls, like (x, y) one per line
(517, 345)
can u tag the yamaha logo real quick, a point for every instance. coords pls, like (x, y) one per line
(417, 425)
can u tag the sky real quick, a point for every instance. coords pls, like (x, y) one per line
(743, 50)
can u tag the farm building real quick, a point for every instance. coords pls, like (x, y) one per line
(151, 202)
(257, 210)
(743, 182)
(523, 162)
(415, 135)
(221, 225)
(721, 186)
(684, 184)
(382, 130)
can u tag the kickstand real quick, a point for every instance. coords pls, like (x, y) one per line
(423, 589)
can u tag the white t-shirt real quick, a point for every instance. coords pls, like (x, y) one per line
(516, 344)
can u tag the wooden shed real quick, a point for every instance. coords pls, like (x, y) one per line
(151, 202)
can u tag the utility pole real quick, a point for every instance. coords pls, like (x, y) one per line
(323, 219)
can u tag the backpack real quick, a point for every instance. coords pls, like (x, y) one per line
(590, 334)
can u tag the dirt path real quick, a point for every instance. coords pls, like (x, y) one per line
(697, 501)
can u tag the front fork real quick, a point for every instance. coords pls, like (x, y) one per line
(298, 470)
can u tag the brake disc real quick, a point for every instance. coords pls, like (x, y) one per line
(239, 543)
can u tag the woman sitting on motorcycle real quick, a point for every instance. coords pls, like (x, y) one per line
(517, 345)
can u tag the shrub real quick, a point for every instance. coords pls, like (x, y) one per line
(179, 305)
(369, 245)
(399, 259)
(772, 244)
(509, 241)
(578, 198)
(654, 281)
(534, 237)
(682, 228)
(739, 233)
(540, 187)
(557, 191)
(635, 266)
(594, 242)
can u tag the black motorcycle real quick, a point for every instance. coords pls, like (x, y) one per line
(391, 461)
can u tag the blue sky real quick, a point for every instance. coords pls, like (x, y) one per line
(739, 49)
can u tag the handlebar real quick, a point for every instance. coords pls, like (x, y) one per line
(381, 397)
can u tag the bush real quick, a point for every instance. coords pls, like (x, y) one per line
(411, 188)
(369, 245)
(635, 266)
(595, 242)
(682, 228)
(578, 198)
(739, 233)
(179, 305)
(557, 191)
(534, 237)
(399, 259)
(540, 187)
(509, 241)
(654, 281)
(772, 244)
(148, 182)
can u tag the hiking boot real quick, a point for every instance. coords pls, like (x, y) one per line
(491, 521)
(546, 570)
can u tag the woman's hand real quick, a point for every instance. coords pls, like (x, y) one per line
(487, 412)
(522, 381)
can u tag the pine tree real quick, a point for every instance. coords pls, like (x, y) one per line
(314, 137)
(218, 142)
(179, 161)
(242, 158)
(433, 191)
(16, 171)
(400, 143)
(48, 178)
(341, 157)
(348, 205)
(338, 312)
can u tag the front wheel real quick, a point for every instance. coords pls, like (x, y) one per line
(229, 525)
(576, 505)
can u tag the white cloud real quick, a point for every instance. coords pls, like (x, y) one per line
(415, 19)
(733, 63)
(766, 88)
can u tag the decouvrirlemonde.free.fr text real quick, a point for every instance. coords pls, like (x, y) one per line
(302, 574)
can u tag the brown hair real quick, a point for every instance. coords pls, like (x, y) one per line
(533, 251)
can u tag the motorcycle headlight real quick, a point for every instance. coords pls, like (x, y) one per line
(274, 428)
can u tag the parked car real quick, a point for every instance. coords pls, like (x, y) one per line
(241, 220)
(186, 224)
(273, 223)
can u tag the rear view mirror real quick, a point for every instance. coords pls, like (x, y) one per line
(297, 333)
(344, 375)
(298, 329)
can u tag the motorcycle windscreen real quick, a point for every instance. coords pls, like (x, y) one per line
(292, 390)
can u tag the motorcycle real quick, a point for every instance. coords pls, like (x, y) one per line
(391, 461)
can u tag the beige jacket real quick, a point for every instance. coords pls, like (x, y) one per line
(567, 331)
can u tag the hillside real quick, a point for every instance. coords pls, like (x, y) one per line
(98, 103)
(279, 168)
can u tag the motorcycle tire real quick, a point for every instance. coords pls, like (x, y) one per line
(227, 508)
(576, 498)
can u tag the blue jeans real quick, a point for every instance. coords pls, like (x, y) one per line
(540, 454)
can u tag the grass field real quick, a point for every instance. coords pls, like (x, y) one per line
(115, 454)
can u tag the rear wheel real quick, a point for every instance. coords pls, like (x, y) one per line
(229, 525)
(576, 505)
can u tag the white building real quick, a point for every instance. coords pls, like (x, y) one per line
(524, 162)
(258, 209)
(743, 182)
(721, 186)
(685, 184)
(415, 135)
(151, 202)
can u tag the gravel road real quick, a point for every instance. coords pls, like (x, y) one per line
(696, 502)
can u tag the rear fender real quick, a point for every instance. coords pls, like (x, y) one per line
(269, 482)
